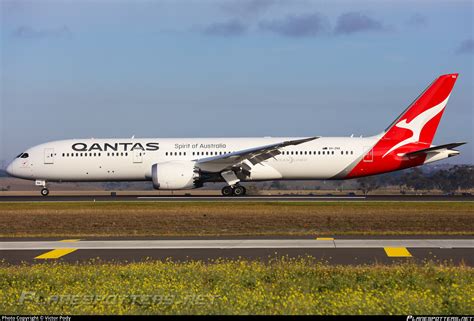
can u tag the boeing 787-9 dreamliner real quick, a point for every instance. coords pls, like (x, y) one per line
(187, 163)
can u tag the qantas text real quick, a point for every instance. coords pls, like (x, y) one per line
(83, 147)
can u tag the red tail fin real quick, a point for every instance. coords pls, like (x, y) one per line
(418, 123)
(413, 130)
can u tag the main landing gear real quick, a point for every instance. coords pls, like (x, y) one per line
(236, 190)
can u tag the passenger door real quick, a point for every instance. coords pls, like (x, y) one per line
(369, 157)
(137, 156)
(49, 155)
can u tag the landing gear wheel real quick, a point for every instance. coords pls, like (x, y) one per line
(239, 190)
(227, 191)
(45, 191)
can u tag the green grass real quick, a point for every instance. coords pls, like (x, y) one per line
(281, 286)
(89, 219)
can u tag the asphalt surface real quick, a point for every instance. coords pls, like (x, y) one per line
(283, 198)
(333, 251)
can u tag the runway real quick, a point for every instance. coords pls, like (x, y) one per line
(213, 198)
(330, 250)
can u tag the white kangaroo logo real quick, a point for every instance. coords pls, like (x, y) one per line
(417, 124)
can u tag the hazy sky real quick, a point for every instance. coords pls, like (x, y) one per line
(79, 69)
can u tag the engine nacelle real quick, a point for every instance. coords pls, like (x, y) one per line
(175, 175)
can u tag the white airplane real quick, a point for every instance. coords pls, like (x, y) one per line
(187, 163)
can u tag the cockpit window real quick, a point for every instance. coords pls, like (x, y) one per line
(24, 155)
(19, 155)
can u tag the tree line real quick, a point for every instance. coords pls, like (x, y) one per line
(449, 180)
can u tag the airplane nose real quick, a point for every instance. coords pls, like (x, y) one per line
(10, 169)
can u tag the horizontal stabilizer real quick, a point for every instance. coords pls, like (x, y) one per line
(434, 149)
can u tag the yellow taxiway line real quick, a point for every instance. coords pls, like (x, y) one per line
(397, 252)
(57, 253)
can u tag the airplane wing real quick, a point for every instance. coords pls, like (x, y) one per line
(434, 149)
(253, 155)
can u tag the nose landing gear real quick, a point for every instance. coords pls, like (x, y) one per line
(44, 190)
(236, 190)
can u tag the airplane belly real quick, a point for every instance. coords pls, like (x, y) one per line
(91, 172)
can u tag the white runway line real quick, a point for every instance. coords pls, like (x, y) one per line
(238, 244)
(283, 198)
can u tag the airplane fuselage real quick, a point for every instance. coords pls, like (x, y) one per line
(132, 159)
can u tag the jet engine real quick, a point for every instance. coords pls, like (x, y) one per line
(175, 175)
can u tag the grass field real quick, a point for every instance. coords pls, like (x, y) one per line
(241, 218)
(283, 286)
